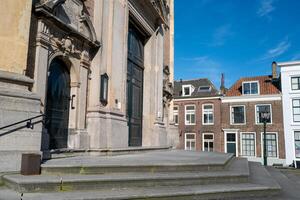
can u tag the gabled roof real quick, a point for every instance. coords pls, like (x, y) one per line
(267, 86)
(196, 83)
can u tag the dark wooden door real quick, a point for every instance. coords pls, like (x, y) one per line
(231, 143)
(135, 81)
(57, 104)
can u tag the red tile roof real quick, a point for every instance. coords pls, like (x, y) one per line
(266, 86)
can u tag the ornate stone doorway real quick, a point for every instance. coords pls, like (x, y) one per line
(57, 104)
(135, 80)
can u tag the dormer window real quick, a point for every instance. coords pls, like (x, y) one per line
(250, 88)
(187, 90)
(204, 89)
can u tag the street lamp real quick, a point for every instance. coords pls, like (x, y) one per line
(266, 118)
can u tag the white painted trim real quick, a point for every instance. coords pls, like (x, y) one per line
(209, 140)
(213, 112)
(251, 98)
(235, 131)
(290, 82)
(196, 98)
(185, 122)
(191, 89)
(258, 87)
(195, 135)
(245, 117)
(261, 144)
(241, 145)
(271, 113)
(288, 64)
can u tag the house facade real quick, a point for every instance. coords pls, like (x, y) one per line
(290, 81)
(242, 111)
(197, 114)
(101, 71)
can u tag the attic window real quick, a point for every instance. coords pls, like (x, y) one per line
(187, 90)
(250, 88)
(204, 89)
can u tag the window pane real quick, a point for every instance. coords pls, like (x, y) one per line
(186, 90)
(208, 137)
(297, 135)
(190, 136)
(207, 107)
(254, 88)
(263, 109)
(175, 108)
(231, 137)
(192, 119)
(248, 145)
(238, 115)
(190, 108)
(294, 80)
(246, 88)
(211, 146)
(296, 102)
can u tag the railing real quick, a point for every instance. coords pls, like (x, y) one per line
(29, 124)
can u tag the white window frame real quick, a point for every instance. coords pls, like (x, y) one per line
(185, 114)
(262, 144)
(291, 88)
(209, 140)
(191, 90)
(213, 113)
(176, 113)
(241, 145)
(271, 113)
(190, 140)
(231, 115)
(258, 87)
(235, 131)
(294, 145)
(292, 106)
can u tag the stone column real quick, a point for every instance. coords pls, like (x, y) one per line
(16, 101)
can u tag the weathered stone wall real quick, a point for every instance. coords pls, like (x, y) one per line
(14, 34)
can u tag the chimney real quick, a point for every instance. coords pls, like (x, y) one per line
(274, 70)
(222, 87)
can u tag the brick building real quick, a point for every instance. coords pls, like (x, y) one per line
(197, 114)
(242, 122)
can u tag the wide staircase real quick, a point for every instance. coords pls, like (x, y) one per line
(163, 175)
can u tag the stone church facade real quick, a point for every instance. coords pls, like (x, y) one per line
(101, 71)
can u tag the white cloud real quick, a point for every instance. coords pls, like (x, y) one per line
(278, 50)
(266, 8)
(221, 35)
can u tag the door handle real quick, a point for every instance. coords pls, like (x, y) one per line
(72, 101)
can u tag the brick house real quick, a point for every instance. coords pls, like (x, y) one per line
(242, 125)
(197, 114)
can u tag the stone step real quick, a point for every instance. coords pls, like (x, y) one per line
(237, 173)
(169, 161)
(226, 191)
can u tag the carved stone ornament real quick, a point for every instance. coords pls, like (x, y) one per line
(69, 15)
(167, 87)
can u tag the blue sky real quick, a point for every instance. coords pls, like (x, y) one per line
(236, 37)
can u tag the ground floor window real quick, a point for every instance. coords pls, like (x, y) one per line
(297, 144)
(208, 142)
(190, 141)
(248, 144)
(271, 141)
